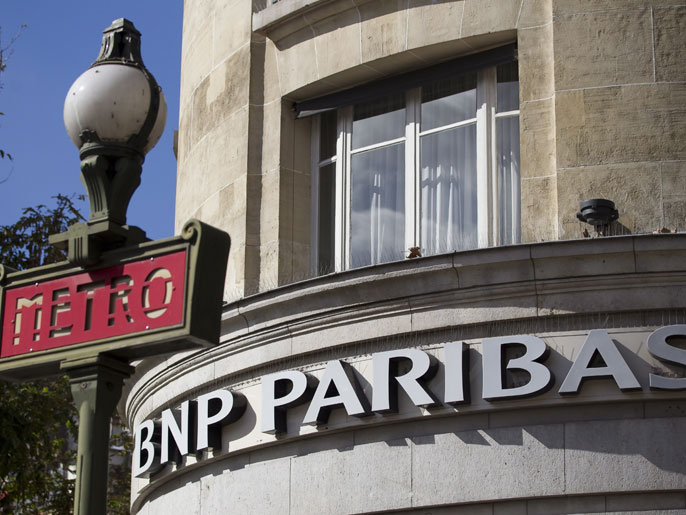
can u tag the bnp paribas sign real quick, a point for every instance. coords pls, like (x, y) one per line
(202, 426)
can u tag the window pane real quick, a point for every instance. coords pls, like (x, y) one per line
(449, 191)
(508, 88)
(507, 136)
(379, 121)
(377, 218)
(328, 134)
(327, 217)
(449, 101)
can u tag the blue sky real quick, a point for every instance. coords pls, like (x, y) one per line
(61, 40)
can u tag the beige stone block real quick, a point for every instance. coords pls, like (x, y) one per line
(270, 214)
(301, 208)
(293, 224)
(197, 15)
(256, 77)
(196, 63)
(674, 212)
(253, 222)
(235, 274)
(480, 42)
(251, 271)
(383, 26)
(295, 141)
(673, 180)
(394, 64)
(632, 187)
(580, 258)
(221, 93)
(536, 67)
(337, 42)
(484, 16)
(469, 458)
(226, 210)
(348, 78)
(661, 253)
(622, 124)
(430, 22)
(670, 51)
(300, 262)
(272, 87)
(561, 7)
(227, 157)
(255, 137)
(643, 450)
(183, 142)
(271, 136)
(232, 23)
(603, 48)
(539, 209)
(190, 191)
(269, 266)
(363, 469)
(534, 13)
(285, 274)
(481, 268)
(537, 138)
(297, 61)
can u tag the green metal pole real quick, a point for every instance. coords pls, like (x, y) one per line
(96, 384)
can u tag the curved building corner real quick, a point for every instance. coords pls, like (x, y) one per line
(416, 319)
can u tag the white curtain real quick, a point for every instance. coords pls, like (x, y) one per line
(377, 219)
(507, 140)
(449, 191)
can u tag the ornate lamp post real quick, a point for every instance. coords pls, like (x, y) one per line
(114, 113)
(119, 297)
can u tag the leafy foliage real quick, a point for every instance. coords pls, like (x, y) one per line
(25, 243)
(38, 422)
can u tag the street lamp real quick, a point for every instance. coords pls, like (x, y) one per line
(114, 113)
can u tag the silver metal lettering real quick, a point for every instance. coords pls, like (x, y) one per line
(387, 378)
(281, 391)
(340, 376)
(599, 341)
(658, 346)
(494, 368)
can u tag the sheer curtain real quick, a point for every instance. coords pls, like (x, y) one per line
(377, 176)
(507, 153)
(507, 137)
(377, 218)
(449, 190)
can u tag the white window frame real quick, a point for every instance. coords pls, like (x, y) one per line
(486, 164)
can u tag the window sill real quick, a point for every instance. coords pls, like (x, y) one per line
(285, 17)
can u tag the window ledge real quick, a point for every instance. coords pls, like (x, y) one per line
(280, 19)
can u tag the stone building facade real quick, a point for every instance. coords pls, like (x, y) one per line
(335, 140)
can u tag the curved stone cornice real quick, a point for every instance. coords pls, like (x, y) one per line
(479, 287)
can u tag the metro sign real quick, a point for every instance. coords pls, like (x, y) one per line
(148, 299)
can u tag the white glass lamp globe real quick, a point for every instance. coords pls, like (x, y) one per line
(113, 101)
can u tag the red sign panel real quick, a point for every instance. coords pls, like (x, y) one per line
(120, 300)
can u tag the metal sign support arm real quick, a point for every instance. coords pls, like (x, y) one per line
(96, 384)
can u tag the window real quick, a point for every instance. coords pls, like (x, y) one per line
(435, 166)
